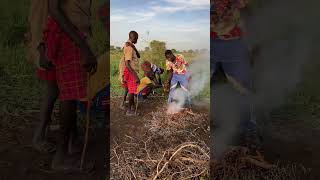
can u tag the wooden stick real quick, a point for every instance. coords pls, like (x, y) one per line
(137, 104)
(87, 124)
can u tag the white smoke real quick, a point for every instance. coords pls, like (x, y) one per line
(199, 70)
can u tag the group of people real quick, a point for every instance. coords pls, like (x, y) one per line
(58, 45)
(176, 66)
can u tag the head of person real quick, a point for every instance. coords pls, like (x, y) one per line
(150, 75)
(169, 55)
(146, 66)
(133, 37)
(161, 70)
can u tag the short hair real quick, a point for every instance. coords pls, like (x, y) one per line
(133, 33)
(168, 52)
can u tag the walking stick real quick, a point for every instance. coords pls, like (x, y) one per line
(137, 104)
(87, 123)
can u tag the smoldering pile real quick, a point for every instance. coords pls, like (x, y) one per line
(174, 147)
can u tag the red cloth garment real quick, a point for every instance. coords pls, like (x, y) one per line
(66, 57)
(146, 91)
(131, 81)
(124, 85)
(46, 75)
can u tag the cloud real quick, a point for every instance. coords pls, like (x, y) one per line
(155, 8)
(183, 24)
(117, 18)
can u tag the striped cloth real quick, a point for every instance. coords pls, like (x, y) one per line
(66, 57)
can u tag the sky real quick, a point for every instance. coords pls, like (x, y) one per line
(182, 24)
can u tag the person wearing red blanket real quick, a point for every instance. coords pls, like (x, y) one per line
(131, 69)
(68, 26)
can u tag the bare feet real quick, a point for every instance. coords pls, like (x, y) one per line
(70, 164)
(123, 106)
(41, 144)
(131, 113)
(44, 146)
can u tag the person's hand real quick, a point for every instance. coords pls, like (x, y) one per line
(90, 62)
(123, 81)
(43, 60)
(166, 87)
(137, 80)
(45, 63)
(161, 70)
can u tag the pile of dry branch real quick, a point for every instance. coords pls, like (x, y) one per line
(177, 147)
(240, 164)
(174, 147)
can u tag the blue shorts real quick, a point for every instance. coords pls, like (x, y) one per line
(233, 56)
(182, 79)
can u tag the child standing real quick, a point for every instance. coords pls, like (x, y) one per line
(177, 69)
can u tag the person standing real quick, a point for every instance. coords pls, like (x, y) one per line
(45, 71)
(176, 67)
(129, 70)
(230, 52)
(68, 26)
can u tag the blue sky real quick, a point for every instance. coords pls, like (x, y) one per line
(182, 24)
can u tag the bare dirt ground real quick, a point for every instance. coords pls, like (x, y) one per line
(121, 125)
(18, 160)
(286, 144)
(293, 142)
(138, 144)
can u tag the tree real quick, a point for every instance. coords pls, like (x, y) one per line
(157, 49)
(174, 50)
(157, 46)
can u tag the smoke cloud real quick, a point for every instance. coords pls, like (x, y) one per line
(286, 32)
(200, 76)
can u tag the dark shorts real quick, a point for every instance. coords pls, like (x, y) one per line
(233, 56)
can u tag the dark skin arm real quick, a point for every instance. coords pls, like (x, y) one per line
(132, 71)
(170, 74)
(90, 61)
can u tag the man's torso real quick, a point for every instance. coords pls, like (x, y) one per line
(79, 13)
(130, 54)
(179, 66)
